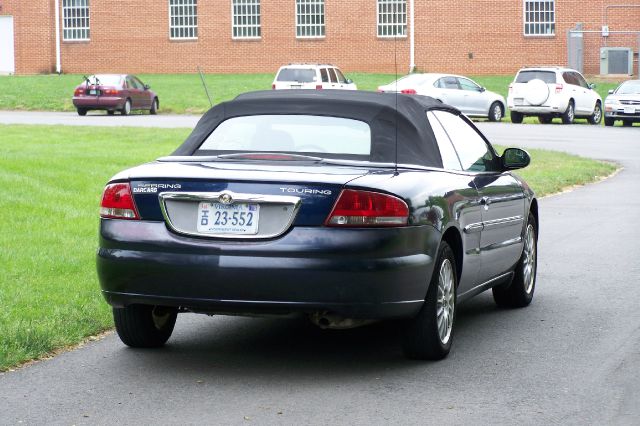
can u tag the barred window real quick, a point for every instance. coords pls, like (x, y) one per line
(246, 18)
(183, 19)
(539, 17)
(392, 18)
(309, 18)
(75, 19)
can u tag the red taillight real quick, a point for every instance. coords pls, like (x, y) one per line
(364, 208)
(117, 202)
(318, 86)
(408, 91)
(273, 86)
(78, 92)
(559, 88)
(110, 91)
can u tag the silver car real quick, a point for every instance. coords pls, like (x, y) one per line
(455, 90)
(623, 103)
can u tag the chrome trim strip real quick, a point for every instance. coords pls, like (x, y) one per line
(242, 198)
(502, 244)
(506, 221)
(473, 228)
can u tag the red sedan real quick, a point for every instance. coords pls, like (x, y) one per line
(114, 92)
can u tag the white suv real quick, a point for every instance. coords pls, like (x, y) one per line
(550, 92)
(311, 76)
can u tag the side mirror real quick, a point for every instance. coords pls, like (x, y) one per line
(348, 81)
(147, 87)
(515, 158)
(483, 89)
(592, 86)
(611, 91)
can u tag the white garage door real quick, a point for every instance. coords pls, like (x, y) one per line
(7, 59)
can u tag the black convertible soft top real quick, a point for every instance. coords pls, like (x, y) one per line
(415, 140)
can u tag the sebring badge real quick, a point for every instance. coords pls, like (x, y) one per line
(225, 198)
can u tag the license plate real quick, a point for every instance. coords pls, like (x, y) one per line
(93, 92)
(629, 110)
(518, 101)
(237, 218)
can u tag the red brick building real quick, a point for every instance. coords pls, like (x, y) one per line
(244, 36)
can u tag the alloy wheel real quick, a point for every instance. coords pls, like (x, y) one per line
(445, 302)
(529, 263)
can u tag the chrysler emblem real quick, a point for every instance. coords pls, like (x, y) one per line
(225, 198)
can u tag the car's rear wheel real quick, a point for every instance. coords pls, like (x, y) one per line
(516, 117)
(609, 122)
(520, 292)
(544, 119)
(596, 117)
(126, 109)
(82, 111)
(430, 333)
(569, 115)
(144, 326)
(154, 107)
(496, 112)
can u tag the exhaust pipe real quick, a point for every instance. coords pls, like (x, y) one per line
(327, 320)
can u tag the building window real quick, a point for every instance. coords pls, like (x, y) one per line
(246, 18)
(392, 18)
(183, 19)
(309, 18)
(539, 17)
(75, 19)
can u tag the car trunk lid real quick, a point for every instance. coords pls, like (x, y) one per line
(280, 195)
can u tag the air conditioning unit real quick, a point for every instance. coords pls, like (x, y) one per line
(616, 60)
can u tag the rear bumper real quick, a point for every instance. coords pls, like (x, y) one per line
(358, 273)
(101, 102)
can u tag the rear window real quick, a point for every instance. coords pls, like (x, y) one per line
(106, 80)
(548, 77)
(301, 75)
(319, 135)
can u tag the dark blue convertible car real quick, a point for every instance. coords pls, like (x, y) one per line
(345, 207)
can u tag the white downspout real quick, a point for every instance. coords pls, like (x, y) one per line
(412, 47)
(57, 15)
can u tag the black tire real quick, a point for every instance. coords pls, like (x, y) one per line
(609, 122)
(422, 338)
(496, 112)
(154, 106)
(126, 109)
(544, 119)
(82, 111)
(596, 117)
(627, 123)
(520, 292)
(144, 326)
(570, 114)
(516, 117)
(110, 112)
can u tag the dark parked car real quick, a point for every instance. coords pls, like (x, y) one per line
(345, 206)
(623, 104)
(114, 92)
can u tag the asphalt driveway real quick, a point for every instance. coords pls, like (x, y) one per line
(572, 357)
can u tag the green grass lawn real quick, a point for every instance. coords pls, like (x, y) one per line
(183, 93)
(53, 177)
